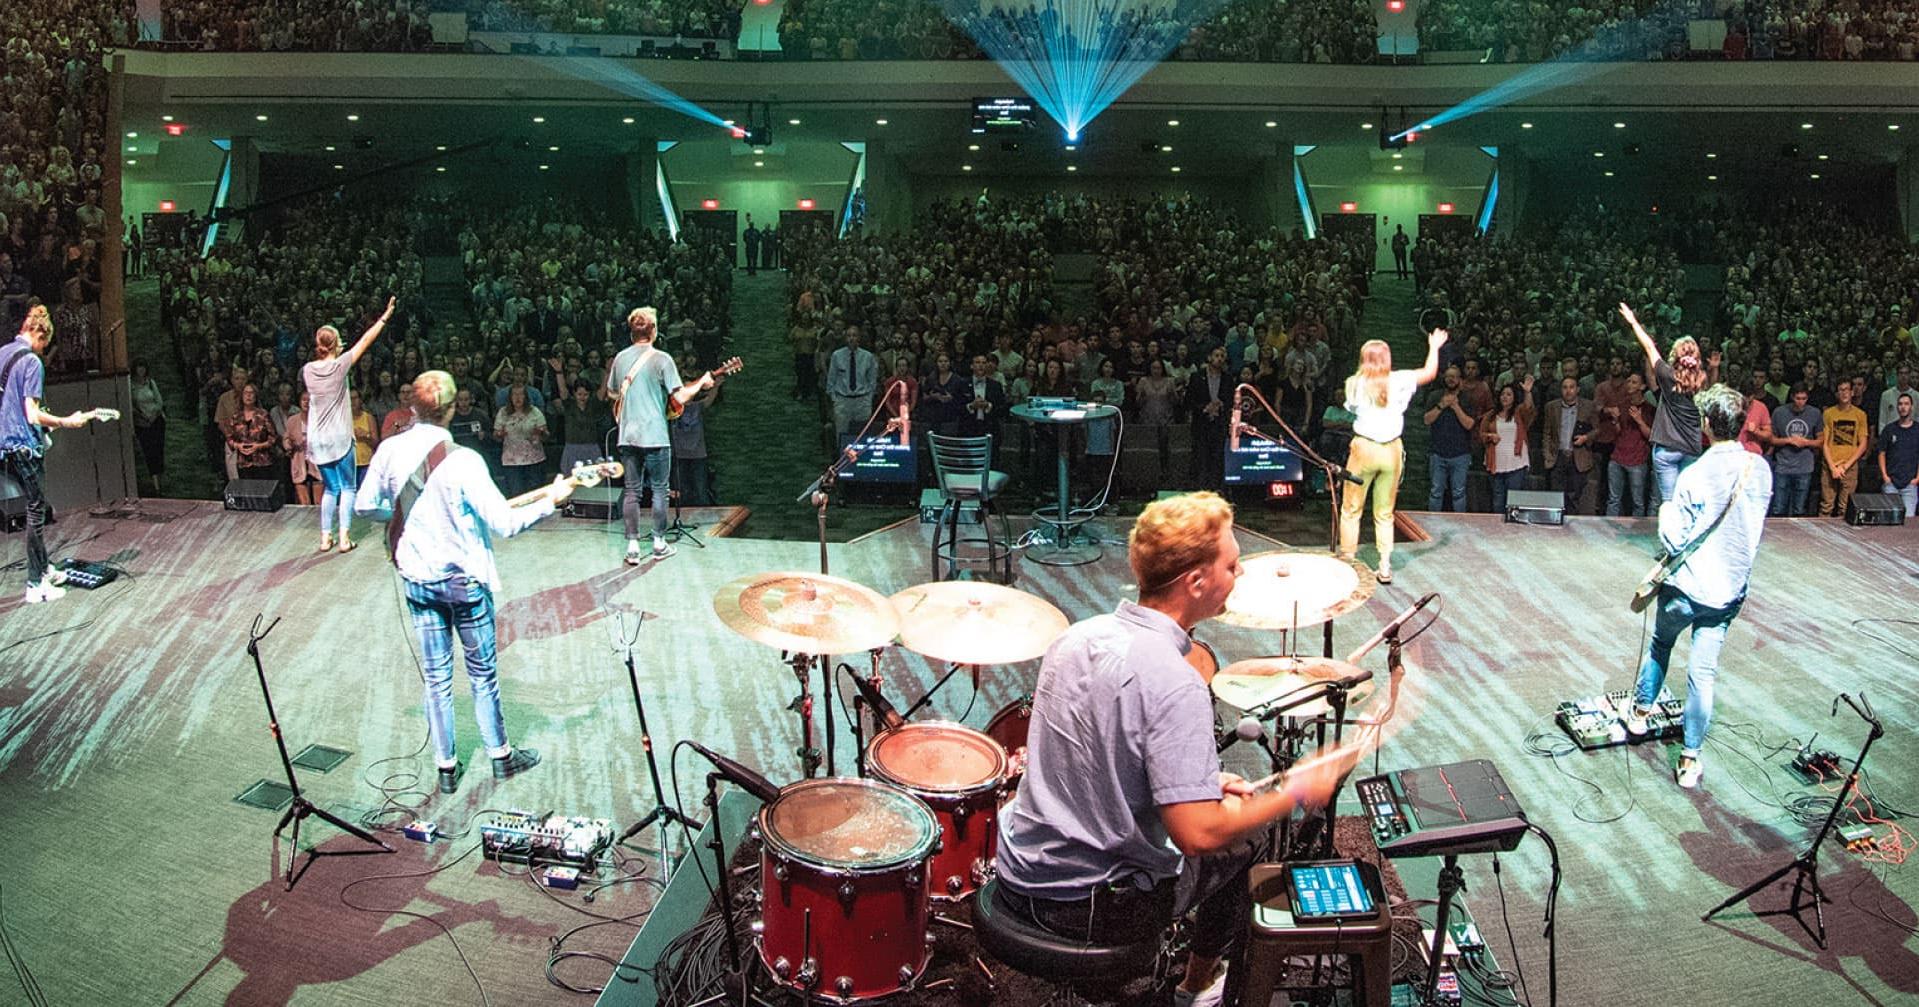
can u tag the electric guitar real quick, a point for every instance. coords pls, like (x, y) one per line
(90, 416)
(584, 474)
(675, 408)
(1669, 563)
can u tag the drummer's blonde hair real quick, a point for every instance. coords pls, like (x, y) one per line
(1174, 536)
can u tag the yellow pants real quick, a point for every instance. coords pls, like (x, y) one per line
(1378, 467)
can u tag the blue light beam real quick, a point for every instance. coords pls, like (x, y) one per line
(616, 77)
(1076, 57)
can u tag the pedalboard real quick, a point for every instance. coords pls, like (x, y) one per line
(1816, 766)
(1596, 721)
(520, 837)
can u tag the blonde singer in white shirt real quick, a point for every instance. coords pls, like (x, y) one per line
(1377, 397)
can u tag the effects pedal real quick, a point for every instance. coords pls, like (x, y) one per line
(1595, 722)
(521, 837)
(420, 832)
(1817, 766)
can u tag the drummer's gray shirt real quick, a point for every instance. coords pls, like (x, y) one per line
(1121, 725)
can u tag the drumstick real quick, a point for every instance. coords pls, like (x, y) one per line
(1350, 749)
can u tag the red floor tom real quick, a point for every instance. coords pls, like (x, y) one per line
(843, 888)
(960, 773)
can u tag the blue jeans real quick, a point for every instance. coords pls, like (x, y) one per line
(1908, 493)
(1677, 613)
(1789, 492)
(1666, 466)
(340, 479)
(29, 470)
(1503, 482)
(1449, 477)
(465, 606)
(652, 468)
(1627, 492)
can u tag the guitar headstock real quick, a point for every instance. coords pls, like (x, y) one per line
(103, 415)
(594, 473)
(729, 367)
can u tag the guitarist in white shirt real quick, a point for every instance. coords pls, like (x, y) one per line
(444, 552)
(1712, 525)
(22, 443)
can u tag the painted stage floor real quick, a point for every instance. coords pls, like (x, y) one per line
(130, 717)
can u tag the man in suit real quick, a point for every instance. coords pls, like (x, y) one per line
(1568, 435)
(752, 240)
(986, 401)
(1210, 395)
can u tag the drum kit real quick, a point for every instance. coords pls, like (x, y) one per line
(853, 867)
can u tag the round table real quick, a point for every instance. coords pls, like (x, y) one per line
(1063, 539)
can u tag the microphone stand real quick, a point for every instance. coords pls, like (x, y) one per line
(663, 813)
(820, 492)
(1335, 473)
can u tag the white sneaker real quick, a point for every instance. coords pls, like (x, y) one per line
(1689, 771)
(661, 549)
(1208, 997)
(1385, 574)
(632, 552)
(56, 576)
(37, 593)
(1635, 721)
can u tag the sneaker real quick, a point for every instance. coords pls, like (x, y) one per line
(633, 552)
(515, 762)
(56, 576)
(1211, 996)
(1385, 574)
(1635, 721)
(1689, 771)
(662, 549)
(45, 591)
(450, 777)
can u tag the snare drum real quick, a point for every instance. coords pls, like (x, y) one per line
(960, 773)
(843, 888)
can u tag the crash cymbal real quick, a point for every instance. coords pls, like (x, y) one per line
(1272, 681)
(974, 622)
(807, 613)
(1288, 590)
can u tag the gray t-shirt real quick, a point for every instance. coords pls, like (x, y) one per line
(1789, 422)
(1121, 725)
(329, 409)
(643, 419)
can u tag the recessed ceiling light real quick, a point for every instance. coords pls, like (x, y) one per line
(966, 167)
(440, 168)
(1892, 125)
(1270, 124)
(1397, 155)
(1825, 157)
(1175, 167)
(554, 149)
(1609, 174)
(628, 120)
(168, 118)
(339, 167)
(440, 147)
(759, 164)
(133, 150)
(1399, 167)
(1525, 125)
(545, 167)
(1172, 122)
(1712, 178)
(759, 150)
(1072, 167)
(132, 161)
(1424, 127)
(1599, 153)
(1619, 125)
(1815, 174)
(972, 146)
(1072, 147)
(133, 136)
(1711, 156)
(353, 117)
(329, 148)
(1365, 125)
(879, 122)
(1165, 148)
(259, 118)
(539, 118)
(792, 122)
(1805, 125)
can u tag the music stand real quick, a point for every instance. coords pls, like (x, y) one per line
(1805, 867)
(298, 811)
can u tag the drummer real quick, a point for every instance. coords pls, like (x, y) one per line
(1125, 820)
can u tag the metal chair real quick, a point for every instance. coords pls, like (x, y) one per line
(963, 467)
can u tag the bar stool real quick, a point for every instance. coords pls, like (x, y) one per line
(964, 468)
(1275, 937)
(1069, 965)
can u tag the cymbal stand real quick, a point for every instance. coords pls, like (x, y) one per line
(950, 672)
(809, 753)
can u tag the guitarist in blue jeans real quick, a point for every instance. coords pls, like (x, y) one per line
(22, 377)
(1711, 527)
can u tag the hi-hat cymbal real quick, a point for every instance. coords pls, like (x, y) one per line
(975, 622)
(1273, 681)
(1294, 590)
(807, 613)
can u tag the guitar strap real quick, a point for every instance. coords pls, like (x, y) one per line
(409, 495)
(632, 373)
(1701, 538)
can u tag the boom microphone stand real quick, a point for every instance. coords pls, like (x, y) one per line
(1335, 472)
(820, 493)
(1805, 868)
(301, 807)
(663, 813)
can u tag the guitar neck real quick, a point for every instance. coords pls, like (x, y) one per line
(534, 496)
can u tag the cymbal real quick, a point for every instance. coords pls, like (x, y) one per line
(1294, 590)
(1263, 681)
(976, 622)
(807, 613)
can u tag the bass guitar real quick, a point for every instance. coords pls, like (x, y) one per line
(584, 474)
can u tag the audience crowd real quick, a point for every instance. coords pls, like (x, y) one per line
(543, 312)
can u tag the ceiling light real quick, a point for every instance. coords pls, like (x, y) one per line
(553, 149)
(792, 122)
(1599, 153)
(544, 167)
(1365, 125)
(1525, 125)
(1072, 147)
(259, 118)
(440, 147)
(539, 118)
(1397, 155)
(1072, 167)
(329, 148)
(353, 117)
(1270, 124)
(627, 120)
(759, 150)
(759, 164)
(879, 122)
(1711, 156)
(1712, 178)
(168, 118)
(132, 161)
(1825, 157)
(1399, 167)
(1619, 125)
(133, 136)
(1609, 174)
(1805, 125)
(1424, 127)
(1172, 122)
(1892, 126)
(972, 146)
(1175, 167)
(1165, 148)
(133, 150)
(1815, 174)
(966, 167)
(339, 167)
(440, 168)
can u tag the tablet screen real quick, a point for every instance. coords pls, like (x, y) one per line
(1328, 891)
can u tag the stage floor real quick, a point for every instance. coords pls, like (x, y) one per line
(130, 718)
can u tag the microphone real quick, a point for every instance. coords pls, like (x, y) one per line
(888, 716)
(1391, 629)
(746, 779)
(1232, 428)
(1248, 729)
(1349, 477)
